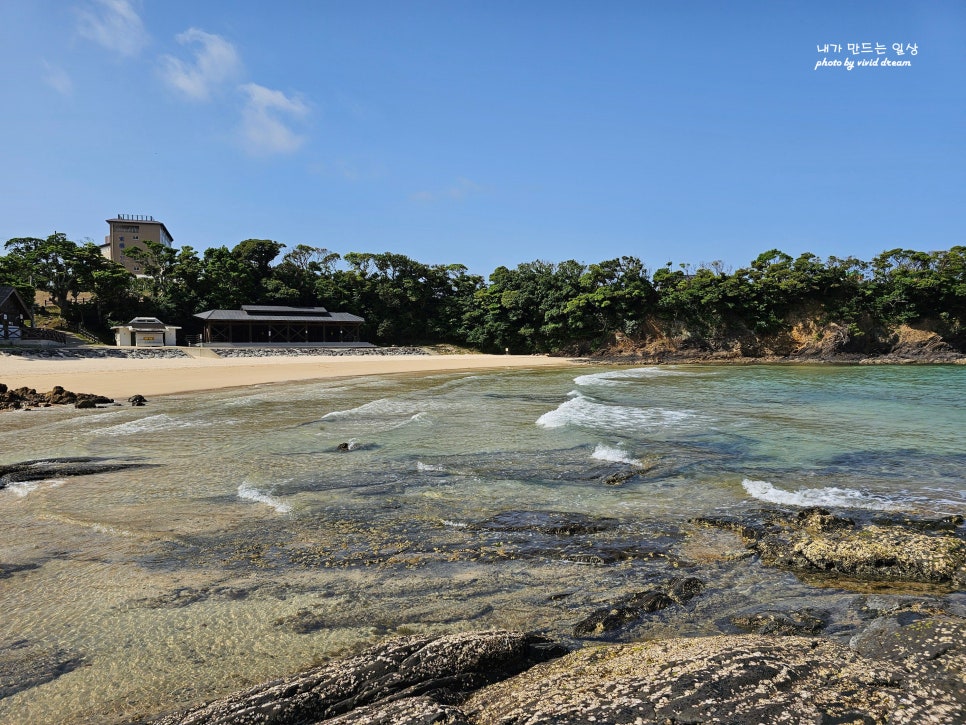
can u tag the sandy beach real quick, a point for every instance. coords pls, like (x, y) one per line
(122, 378)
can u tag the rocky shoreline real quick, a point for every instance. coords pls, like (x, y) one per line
(692, 639)
(900, 670)
(892, 652)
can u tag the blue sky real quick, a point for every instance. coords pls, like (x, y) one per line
(489, 132)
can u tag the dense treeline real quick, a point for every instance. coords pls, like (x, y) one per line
(536, 307)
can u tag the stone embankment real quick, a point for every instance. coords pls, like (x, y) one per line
(326, 351)
(98, 353)
(159, 353)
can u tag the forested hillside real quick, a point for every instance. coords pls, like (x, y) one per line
(776, 305)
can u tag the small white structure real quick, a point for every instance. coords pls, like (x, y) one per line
(145, 332)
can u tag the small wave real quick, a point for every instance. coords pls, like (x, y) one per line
(374, 409)
(455, 524)
(585, 412)
(150, 424)
(616, 377)
(23, 488)
(612, 454)
(250, 493)
(417, 418)
(829, 496)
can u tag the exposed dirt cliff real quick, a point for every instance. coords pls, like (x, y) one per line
(802, 340)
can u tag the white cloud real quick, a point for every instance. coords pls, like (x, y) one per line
(57, 78)
(265, 121)
(215, 62)
(460, 190)
(113, 24)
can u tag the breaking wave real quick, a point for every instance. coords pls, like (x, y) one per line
(829, 496)
(585, 412)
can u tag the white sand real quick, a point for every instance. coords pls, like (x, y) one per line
(120, 378)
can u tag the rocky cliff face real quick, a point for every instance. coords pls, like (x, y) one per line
(803, 339)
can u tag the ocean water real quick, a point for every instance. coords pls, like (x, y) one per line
(250, 542)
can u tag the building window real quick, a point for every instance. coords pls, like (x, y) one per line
(122, 239)
(121, 245)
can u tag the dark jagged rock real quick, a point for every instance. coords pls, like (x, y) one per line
(40, 470)
(28, 397)
(442, 670)
(802, 622)
(553, 523)
(137, 400)
(742, 680)
(630, 609)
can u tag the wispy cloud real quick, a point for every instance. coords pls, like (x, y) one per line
(460, 190)
(57, 78)
(266, 120)
(215, 62)
(114, 24)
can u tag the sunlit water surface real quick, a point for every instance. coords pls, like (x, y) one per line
(251, 546)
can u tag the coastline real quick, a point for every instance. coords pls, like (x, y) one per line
(120, 378)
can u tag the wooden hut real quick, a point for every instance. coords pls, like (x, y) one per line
(15, 315)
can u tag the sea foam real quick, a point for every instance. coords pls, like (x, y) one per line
(829, 496)
(612, 454)
(250, 493)
(583, 411)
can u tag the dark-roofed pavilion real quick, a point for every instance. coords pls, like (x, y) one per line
(271, 325)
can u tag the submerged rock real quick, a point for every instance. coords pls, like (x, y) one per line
(25, 664)
(554, 523)
(800, 622)
(630, 609)
(40, 470)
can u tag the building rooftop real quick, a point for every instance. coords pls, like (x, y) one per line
(270, 313)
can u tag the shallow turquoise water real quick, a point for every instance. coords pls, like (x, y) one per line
(254, 547)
